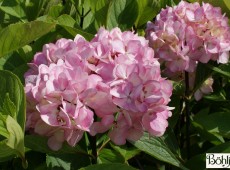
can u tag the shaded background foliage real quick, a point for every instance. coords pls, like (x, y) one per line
(26, 25)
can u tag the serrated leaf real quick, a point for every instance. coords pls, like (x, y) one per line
(18, 35)
(110, 156)
(11, 84)
(111, 166)
(122, 14)
(156, 147)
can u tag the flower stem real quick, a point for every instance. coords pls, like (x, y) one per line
(103, 145)
(187, 113)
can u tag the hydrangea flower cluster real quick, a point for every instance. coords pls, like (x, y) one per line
(112, 83)
(189, 33)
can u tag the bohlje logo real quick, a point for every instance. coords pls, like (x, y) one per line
(217, 160)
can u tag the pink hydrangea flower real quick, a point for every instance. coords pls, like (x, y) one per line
(114, 77)
(189, 33)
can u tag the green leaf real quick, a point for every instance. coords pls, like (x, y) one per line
(34, 8)
(222, 148)
(110, 156)
(87, 17)
(148, 9)
(66, 20)
(157, 147)
(227, 3)
(39, 143)
(223, 70)
(66, 161)
(13, 8)
(100, 10)
(126, 152)
(17, 35)
(14, 144)
(5, 151)
(8, 107)
(111, 166)
(16, 136)
(74, 31)
(171, 141)
(56, 10)
(68, 23)
(3, 130)
(17, 62)
(11, 84)
(122, 14)
(57, 163)
(206, 135)
(215, 123)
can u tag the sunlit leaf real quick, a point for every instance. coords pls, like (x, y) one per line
(11, 84)
(122, 13)
(17, 35)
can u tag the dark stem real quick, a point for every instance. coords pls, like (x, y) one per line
(93, 145)
(187, 113)
(82, 18)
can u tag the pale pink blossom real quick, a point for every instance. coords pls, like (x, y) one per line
(189, 33)
(114, 77)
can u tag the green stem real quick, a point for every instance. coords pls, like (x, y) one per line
(103, 145)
